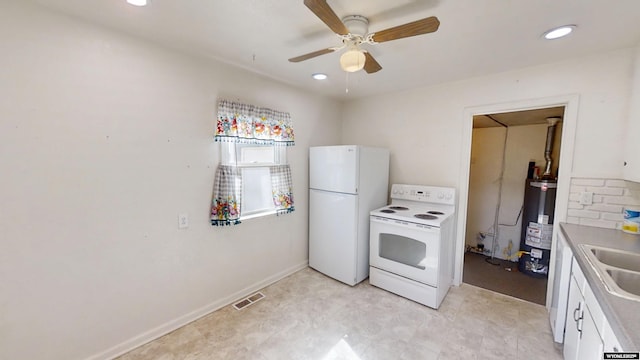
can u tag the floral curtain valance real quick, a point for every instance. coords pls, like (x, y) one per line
(227, 193)
(250, 124)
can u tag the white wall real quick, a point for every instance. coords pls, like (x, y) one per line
(424, 128)
(524, 144)
(104, 139)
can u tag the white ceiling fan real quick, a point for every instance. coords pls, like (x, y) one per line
(353, 31)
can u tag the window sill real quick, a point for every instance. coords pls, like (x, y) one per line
(257, 215)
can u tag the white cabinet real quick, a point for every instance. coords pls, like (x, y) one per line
(572, 327)
(590, 342)
(610, 341)
(631, 159)
(582, 340)
(587, 332)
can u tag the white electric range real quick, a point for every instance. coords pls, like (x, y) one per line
(412, 243)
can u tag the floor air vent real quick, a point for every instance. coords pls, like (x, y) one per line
(248, 301)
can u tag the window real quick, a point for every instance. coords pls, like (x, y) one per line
(245, 155)
(254, 162)
(253, 178)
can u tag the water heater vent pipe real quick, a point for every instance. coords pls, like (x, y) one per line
(548, 149)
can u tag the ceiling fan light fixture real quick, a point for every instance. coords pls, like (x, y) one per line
(558, 32)
(137, 2)
(352, 60)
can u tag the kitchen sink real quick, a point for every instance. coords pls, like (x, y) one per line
(627, 280)
(619, 270)
(616, 258)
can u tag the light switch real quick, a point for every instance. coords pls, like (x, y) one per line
(586, 198)
(183, 221)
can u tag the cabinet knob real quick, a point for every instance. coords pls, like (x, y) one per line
(625, 163)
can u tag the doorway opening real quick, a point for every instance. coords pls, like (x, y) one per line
(508, 237)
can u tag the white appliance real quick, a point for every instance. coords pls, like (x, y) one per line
(412, 243)
(345, 184)
(561, 281)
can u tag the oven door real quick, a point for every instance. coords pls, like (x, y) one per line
(406, 249)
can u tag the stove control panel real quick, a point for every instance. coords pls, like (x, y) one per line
(430, 194)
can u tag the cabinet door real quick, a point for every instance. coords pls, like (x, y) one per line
(632, 162)
(574, 322)
(609, 340)
(590, 342)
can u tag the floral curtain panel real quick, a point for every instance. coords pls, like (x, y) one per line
(227, 193)
(227, 196)
(243, 123)
(282, 187)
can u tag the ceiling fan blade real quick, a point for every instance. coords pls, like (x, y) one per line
(418, 27)
(370, 64)
(312, 55)
(326, 14)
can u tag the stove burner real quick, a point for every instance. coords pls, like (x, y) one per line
(398, 208)
(435, 212)
(387, 211)
(425, 216)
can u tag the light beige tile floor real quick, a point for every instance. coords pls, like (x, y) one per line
(310, 316)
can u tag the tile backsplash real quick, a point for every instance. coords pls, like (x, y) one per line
(610, 198)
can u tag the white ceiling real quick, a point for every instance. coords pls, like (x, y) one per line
(476, 37)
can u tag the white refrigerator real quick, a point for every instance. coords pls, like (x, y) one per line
(345, 184)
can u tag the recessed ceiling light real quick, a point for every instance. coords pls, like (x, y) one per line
(137, 2)
(319, 76)
(559, 32)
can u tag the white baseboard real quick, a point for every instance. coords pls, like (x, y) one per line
(172, 325)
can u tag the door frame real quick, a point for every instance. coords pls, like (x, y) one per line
(569, 126)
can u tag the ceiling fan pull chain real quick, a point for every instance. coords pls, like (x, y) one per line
(346, 90)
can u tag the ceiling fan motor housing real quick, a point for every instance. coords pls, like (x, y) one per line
(357, 25)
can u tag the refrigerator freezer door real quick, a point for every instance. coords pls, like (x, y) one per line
(333, 234)
(334, 168)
